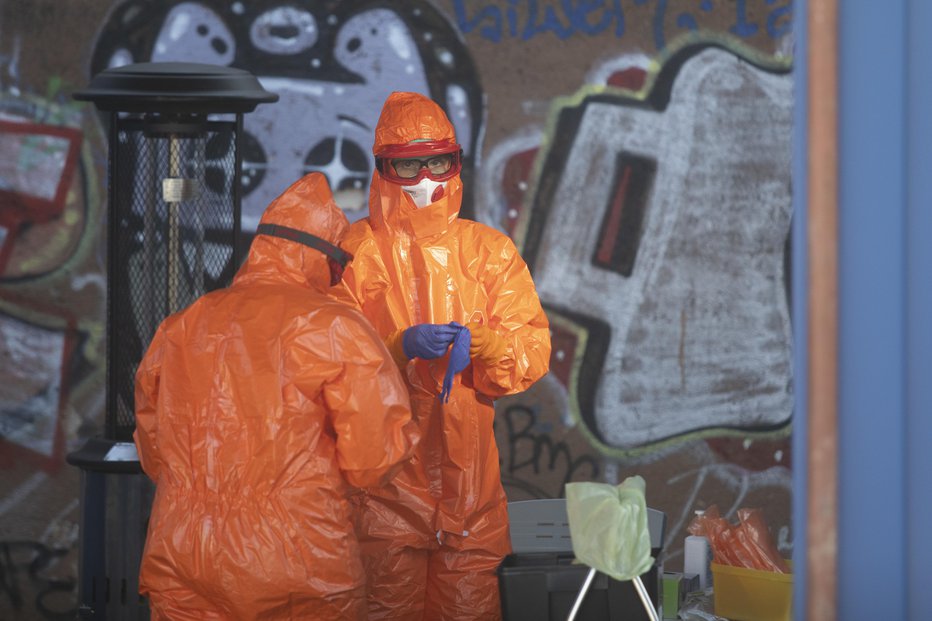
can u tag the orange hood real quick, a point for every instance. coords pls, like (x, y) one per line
(406, 118)
(308, 206)
(410, 117)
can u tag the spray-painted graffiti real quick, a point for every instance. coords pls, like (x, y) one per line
(38, 576)
(43, 215)
(332, 65)
(527, 19)
(49, 328)
(37, 164)
(24, 573)
(32, 401)
(531, 454)
(51, 325)
(595, 206)
(685, 226)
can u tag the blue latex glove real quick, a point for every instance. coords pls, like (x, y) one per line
(459, 359)
(429, 340)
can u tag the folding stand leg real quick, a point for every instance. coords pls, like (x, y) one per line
(642, 593)
(638, 586)
(582, 594)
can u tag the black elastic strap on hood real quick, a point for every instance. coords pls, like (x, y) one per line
(312, 241)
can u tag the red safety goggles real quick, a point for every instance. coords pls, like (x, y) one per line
(408, 164)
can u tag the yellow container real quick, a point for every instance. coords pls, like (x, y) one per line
(751, 595)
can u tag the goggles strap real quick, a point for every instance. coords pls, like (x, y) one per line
(336, 253)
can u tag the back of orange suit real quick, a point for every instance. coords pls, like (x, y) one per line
(259, 407)
(433, 538)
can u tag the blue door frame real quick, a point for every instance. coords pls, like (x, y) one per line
(885, 310)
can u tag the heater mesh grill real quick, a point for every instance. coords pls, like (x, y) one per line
(173, 240)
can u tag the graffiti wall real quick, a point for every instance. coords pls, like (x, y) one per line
(637, 151)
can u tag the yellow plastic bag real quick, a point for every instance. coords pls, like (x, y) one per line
(608, 526)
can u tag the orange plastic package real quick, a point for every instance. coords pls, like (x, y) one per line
(747, 544)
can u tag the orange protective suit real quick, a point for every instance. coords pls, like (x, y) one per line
(442, 522)
(255, 407)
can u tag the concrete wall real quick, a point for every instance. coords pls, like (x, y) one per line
(638, 151)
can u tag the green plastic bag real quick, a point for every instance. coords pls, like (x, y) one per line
(608, 526)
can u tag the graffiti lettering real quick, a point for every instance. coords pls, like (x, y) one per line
(528, 449)
(525, 19)
(589, 17)
(778, 20)
(32, 559)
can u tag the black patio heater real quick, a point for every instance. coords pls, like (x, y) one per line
(173, 234)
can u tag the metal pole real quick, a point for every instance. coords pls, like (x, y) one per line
(148, 172)
(199, 145)
(174, 172)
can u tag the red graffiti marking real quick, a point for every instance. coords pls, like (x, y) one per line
(32, 155)
(631, 78)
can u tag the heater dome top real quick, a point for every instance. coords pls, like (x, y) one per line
(175, 87)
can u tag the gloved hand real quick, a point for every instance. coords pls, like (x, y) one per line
(486, 345)
(459, 359)
(429, 340)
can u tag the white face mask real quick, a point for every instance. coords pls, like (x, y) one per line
(425, 191)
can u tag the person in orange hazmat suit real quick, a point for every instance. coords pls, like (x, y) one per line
(257, 407)
(434, 285)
